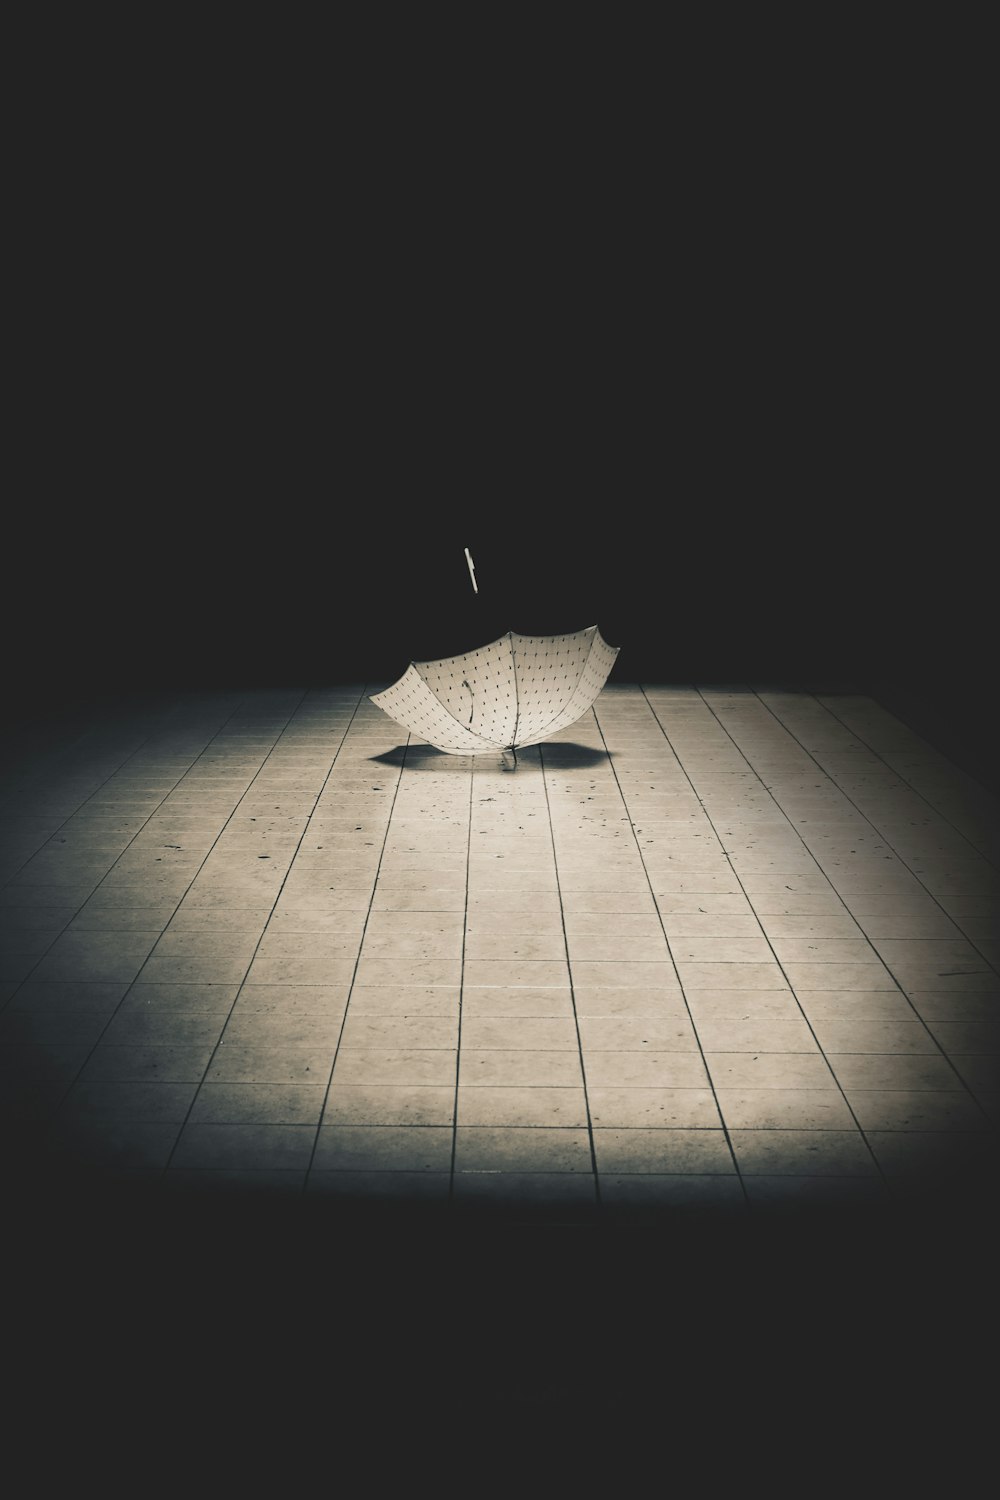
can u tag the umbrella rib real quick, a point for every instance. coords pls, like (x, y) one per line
(517, 699)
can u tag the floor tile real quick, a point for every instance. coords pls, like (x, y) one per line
(484, 1001)
(516, 1066)
(400, 1031)
(257, 1104)
(893, 1071)
(521, 1105)
(155, 1062)
(813, 1153)
(874, 1036)
(173, 1028)
(665, 1151)
(532, 1033)
(728, 1035)
(372, 1148)
(295, 971)
(293, 1028)
(651, 1107)
(855, 1005)
(637, 1034)
(781, 1070)
(955, 1037)
(653, 1069)
(368, 1065)
(389, 1104)
(922, 1109)
(522, 1149)
(742, 1005)
(269, 1062)
(785, 1109)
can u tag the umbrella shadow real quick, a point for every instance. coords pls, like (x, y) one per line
(564, 756)
(568, 755)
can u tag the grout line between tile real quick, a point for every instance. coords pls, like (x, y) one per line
(364, 928)
(673, 961)
(572, 985)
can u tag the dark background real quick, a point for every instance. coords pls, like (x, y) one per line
(679, 336)
(684, 335)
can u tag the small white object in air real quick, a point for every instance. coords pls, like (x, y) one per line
(472, 570)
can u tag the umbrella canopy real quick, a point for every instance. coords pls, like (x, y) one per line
(518, 690)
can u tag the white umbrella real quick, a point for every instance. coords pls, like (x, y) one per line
(516, 691)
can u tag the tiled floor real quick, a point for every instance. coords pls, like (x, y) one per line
(349, 1079)
(708, 949)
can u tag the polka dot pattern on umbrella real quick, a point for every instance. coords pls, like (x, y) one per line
(515, 691)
